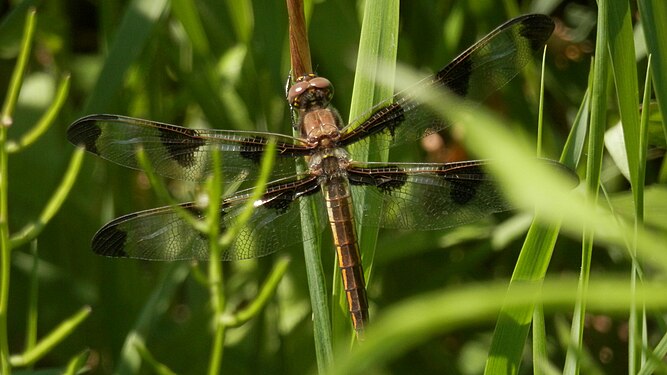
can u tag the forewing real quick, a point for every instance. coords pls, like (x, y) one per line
(479, 71)
(183, 153)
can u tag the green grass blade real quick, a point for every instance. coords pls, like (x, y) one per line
(624, 70)
(593, 170)
(316, 286)
(130, 39)
(377, 54)
(514, 324)
(186, 12)
(622, 50)
(654, 20)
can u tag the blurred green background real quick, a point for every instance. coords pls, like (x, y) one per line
(226, 68)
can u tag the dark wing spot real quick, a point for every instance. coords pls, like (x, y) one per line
(387, 118)
(537, 31)
(386, 182)
(279, 203)
(86, 133)
(280, 198)
(397, 117)
(110, 241)
(463, 191)
(459, 73)
(465, 182)
(196, 211)
(252, 148)
(181, 144)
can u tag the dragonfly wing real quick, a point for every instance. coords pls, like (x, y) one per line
(164, 234)
(428, 196)
(476, 73)
(183, 153)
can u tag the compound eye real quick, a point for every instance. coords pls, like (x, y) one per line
(295, 91)
(320, 83)
(324, 85)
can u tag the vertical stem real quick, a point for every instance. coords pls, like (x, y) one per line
(5, 254)
(298, 39)
(216, 290)
(6, 115)
(301, 65)
(32, 314)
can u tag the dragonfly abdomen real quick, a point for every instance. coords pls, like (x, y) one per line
(341, 220)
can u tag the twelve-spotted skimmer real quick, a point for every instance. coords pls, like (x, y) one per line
(417, 196)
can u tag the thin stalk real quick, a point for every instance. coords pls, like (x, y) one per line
(156, 366)
(45, 121)
(263, 296)
(31, 318)
(46, 344)
(6, 118)
(215, 272)
(5, 255)
(5, 246)
(77, 363)
(218, 243)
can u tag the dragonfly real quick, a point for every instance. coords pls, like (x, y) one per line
(412, 196)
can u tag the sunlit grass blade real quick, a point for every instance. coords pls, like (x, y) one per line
(377, 54)
(405, 325)
(513, 325)
(638, 313)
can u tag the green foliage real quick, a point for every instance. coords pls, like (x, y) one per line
(436, 297)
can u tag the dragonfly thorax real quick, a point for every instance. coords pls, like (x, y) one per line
(329, 163)
(321, 127)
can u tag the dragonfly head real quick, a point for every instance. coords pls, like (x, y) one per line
(309, 92)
